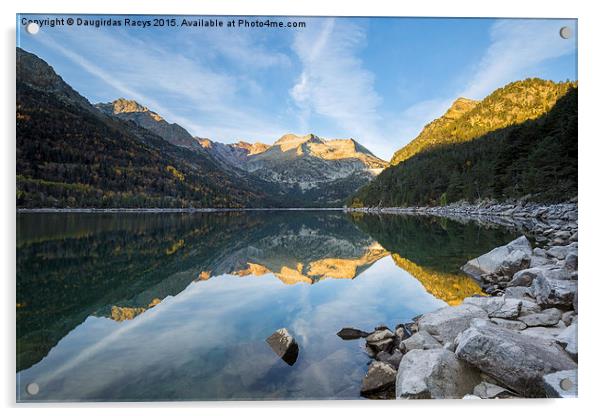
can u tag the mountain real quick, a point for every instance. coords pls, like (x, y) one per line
(519, 142)
(70, 154)
(468, 119)
(308, 168)
(132, 111)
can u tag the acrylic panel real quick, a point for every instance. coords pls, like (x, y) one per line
(275, 208)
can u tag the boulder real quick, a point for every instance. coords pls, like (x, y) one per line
(486, 390)
(568, 317)
(380, 377)
(509, 324)
(561, 384)
(493, 261)
(528, 307)
(421, 340)
(548, 317)
(379, 335)
(403, 331)
(515, 261)
(518, 292)
(571, 261)
(552, 292)
(381, 340)
(446, 323)
(548, 333)
(434, 374)
(497, 307)
(351, 333)
(284, 345)
(568, 339)
(393, 359)
(525, 277)
(558, 252)
(517, 361)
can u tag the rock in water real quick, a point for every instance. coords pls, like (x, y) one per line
(501, 259)
(351, 333)
(434, 374)
(446, 323)
(561, 384)
(379, 378)
(284, 345)
(517, 361)
(380, 340)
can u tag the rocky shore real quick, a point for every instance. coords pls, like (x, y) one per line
(520, 341)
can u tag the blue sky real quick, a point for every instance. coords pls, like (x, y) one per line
(378, 80)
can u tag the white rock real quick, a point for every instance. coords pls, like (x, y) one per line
(420, 340)
(446, 323)
(561, 384)
(434, 374)
(515, 360)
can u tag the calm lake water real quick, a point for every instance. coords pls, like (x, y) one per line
(129, 307)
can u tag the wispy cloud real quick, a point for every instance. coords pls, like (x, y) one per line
(517, 47)
(333, 82)
(204, 100)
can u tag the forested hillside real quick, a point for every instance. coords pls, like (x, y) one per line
(536, 159)
(468, 119)
(71, 155)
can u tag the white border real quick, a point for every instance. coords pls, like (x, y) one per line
(590, 97)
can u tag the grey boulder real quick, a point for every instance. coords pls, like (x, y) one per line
(554, 292)
(434, 374)
(486, 390)
(421, 340)
(446, 323)
(509, 324)
(517, 361)
(284, 345)
(380, 377)
(547, 317)
(568, 339)
(500, 258)
(497, 307)
(561, 384)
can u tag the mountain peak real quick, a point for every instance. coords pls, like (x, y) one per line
(37, 73)
(292, 141)
(468, 119)
(125, 106)
(460, 107)
(252, 148)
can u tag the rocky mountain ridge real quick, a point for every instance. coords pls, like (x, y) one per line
(468, 119)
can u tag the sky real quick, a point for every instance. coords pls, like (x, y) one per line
(378, 80)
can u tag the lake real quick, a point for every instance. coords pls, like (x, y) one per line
(177, 306)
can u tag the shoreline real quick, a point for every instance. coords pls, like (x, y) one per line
(527, 322)
(162, 210)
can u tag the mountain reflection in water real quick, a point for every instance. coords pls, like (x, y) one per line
(178, 306)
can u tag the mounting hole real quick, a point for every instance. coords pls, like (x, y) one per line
(32, 28)
(566, 384)
(32, 389)
(565, 32)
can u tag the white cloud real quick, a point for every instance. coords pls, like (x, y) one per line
(517, 47)
(333, 82)
(210, 98)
